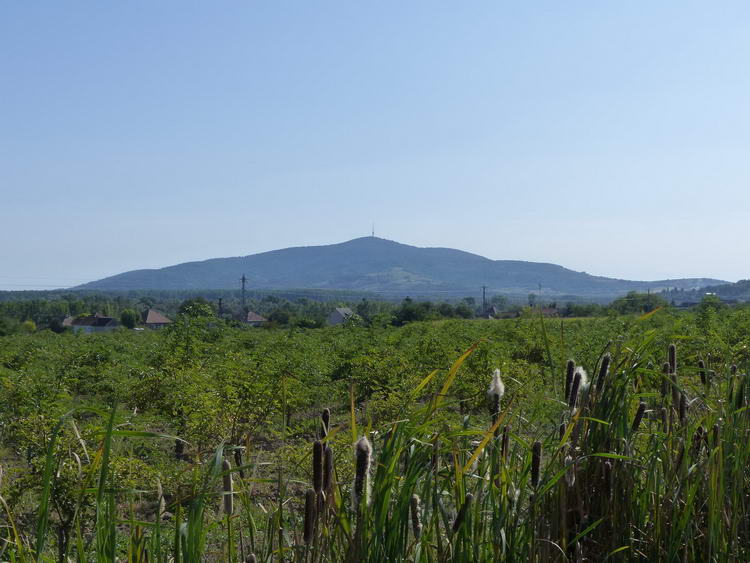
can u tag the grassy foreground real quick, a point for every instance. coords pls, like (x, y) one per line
(636, 462)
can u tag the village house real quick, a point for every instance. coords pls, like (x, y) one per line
(91, 323)
(254, 319)
(151, 318)
(339, 316)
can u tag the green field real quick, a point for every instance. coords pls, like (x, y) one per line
(198, 442)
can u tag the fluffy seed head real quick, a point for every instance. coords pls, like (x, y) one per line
(362, 471)
(495, 393)
(228, 487)
(585, 383)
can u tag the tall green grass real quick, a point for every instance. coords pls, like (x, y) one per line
(636, 464)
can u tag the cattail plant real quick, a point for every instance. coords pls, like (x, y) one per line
(570, 368)
(683, 408)
(702, 371)
(228, 486)
(603, 370)
(536, 462)
(325, 419)
(462, 512)
(664, 420)
(573, 398)
(363, 457)
(309, 526)
(251, 558)
(317, 467)
(327, 470)
(638, 417)
(494, 394)
(416, 518)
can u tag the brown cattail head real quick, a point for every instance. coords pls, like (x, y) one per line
(327, 469)
(664, 420)
(702, 371)
(536, 463)
(683, 408)
(603, 370)
(505, 443)
(574, 391)
(462, 513)
(570, 369)
(672, 359)
(638, 417)
(362, 472)
(228, 487)
(251, 559)
(317, 466)
(325, 419)
(416, 518)
(309, 516)
(733, 369)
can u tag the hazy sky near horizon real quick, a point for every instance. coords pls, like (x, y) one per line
(612, 138)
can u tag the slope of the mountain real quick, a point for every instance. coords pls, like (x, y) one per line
(382, 266)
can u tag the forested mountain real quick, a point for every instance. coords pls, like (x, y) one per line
(385, 267)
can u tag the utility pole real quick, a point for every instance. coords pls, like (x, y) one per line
(243, 279)
(484, 300)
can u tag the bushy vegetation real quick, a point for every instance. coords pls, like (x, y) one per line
(206, 442)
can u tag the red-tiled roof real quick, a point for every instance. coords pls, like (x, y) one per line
(253, 317)
(154, 317)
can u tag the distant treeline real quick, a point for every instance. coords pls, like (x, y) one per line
(31, 311)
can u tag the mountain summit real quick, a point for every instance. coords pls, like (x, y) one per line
(382, 266)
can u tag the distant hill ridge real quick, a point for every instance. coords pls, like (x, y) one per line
(382, 266)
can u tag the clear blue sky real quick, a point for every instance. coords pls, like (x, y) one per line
(609, 137)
